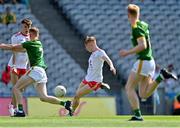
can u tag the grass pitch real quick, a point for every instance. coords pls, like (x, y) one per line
(90, 122)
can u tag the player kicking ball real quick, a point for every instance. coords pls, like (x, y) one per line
(144, 68)
(94, 77)
(36, 75)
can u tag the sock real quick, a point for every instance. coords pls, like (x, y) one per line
(159, 79)
(14, 106)
(20, 107)
(137, 112)
(62, 103)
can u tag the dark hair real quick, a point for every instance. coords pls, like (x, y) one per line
(28, 22)
(89, 38)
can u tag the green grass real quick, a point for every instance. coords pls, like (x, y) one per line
(90, 122)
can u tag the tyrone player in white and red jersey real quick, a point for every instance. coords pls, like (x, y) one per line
(94, 78)
(19, 61)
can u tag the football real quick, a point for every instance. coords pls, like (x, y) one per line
(59, 91)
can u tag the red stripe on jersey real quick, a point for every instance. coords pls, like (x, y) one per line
(20, 33)
(24, 34)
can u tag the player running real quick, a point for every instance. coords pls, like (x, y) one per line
(143, 69)
(94, 77)
(19, 61)
(36, 75)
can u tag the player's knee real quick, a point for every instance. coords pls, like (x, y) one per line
(14, 89)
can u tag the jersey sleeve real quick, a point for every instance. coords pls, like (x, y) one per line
(102, 53)
(26, 44)
(139, 33)
(13, 41)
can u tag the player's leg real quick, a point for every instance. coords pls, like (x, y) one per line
(132, 96)
(13, 105)
(146, 84)
(22, 83)
(39, 75)
(15, 75)
(42, 91)
(81, 91)
(130, 90)
(132, 83)
(80, 86)
(75, 101)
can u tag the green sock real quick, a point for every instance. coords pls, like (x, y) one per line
(159, 79)
(137, 112)
(20, 107)
(62, 103)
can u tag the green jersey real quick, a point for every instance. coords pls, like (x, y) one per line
(142, 30)
(35, 53)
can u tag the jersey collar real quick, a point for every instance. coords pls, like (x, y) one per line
(24, 34)
(134, 26)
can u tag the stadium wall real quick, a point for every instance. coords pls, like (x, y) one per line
(89, 106)
(4, 104)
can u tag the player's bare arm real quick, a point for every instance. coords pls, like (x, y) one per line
(140, 47)
(15, 47)
(108, 60)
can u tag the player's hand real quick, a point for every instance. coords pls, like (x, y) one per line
(112, 69)
(14, 69)
(123, 53)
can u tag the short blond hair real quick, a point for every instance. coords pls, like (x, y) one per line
(89, 39)
(133, 10)
(34, 30)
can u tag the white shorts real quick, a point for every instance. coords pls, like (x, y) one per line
(144, 67)
(38, 74)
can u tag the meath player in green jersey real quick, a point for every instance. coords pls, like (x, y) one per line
(36, 75)
(143, 69)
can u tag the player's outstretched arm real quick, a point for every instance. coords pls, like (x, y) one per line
(108, 60)
(15, 47)
(140, 47)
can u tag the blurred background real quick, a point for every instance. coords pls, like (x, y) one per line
(63, 25)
